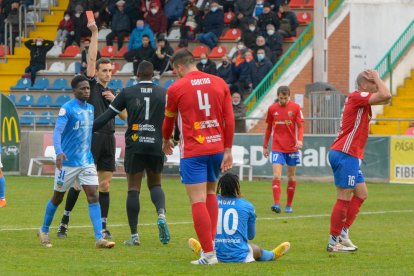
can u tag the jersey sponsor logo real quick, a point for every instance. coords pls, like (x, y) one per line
(200, 139)
(134, 137)
(213, 138)
(170, 114)
(146, 127)
(62, 111)
(276, 113)
(143, 139)
(290, 113)
(206, 124)
(364, 94)
(202, 81)
(282, 122)
(135, 127)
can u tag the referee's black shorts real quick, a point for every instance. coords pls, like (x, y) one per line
(136, 163)
(103, 151)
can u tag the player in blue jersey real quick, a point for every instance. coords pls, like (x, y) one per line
(3, 202)
(74, 161)
(236, 226)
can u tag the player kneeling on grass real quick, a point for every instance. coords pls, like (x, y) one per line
(236, 225)
(74, 162)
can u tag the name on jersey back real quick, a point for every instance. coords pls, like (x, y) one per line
(146, 90)
(202, 81)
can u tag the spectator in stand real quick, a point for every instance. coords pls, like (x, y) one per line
(65, 27)
(145, 52)
(75, 5)
(133, 10)
(206, 65)
(13, 19)
(239, 110)
(258, 9)
(245, 7)
(243, 74)
(135, 40)
(2, 19)
(260, 68)
(224, 71)
(212, 25)
(249, 36)
(274, 40)
(156, 19)
(189, 22)
(266, 18)
(237, 51)
(85, 55)
(38, 48)
(174, 10)
(275, 4)
(120, 25)
(288, 21)
(99, 8)
(228, 5)
(162, 55)
(79, 27)
(261, 44)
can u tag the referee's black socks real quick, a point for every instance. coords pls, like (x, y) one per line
(71, 199)
(104, 202)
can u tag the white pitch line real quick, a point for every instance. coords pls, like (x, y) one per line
(190, 222)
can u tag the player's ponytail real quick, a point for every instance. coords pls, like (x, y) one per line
(229, 185)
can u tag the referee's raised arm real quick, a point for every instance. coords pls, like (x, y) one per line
(93, 50)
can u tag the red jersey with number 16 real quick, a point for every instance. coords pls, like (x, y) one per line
(202, 104)
(353, 132)
(286, 123)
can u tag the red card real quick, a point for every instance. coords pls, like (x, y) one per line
(90, 16)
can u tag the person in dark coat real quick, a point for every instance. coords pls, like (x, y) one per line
(246, 7)
(85, 55)
(290, 17)
(249, 36)
(162, 54)
(260, 68)
(189, 24)
(206, 65)
(243, 74)
(274, 40)
(174, 10)
(121, 25)
(38, 49)
(239, 110)
(261, 44)
(225, 71)
(13, 19)
(79, 27)
(266, 18)
(145, 52)
(212, 26)
(156, 19)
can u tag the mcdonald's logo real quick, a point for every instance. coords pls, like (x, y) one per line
(8, 123)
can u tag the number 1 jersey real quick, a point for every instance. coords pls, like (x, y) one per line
(202, 103)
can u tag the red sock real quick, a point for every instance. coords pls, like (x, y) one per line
(290, 192)
(353, 210)
(202, 225)
(276, 191)
(212, 208)
(338, 216)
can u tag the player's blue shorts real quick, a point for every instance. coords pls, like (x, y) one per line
(200, 169)
(346, 170)
(291, 158)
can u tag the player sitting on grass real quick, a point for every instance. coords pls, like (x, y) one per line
(236, 225)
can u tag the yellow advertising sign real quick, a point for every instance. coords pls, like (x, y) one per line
(402, 160)
(9, 124)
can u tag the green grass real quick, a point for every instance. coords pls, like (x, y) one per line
(384, 232)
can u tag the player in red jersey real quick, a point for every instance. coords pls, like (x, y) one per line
(346, 152)
(285, 119)
(202, 105)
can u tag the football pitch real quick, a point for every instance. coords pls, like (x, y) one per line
(384, 233)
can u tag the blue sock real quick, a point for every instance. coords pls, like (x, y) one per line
(266, 256)
(95, 215)
(2, 187)
(49, 214)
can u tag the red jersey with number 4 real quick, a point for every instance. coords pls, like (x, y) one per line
(285, 122)
(353, 131)
(202, 103)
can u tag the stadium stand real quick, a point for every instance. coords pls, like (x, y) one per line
(197, 51)
(48, 158)
(40, 84)
(115, 84)
(22, 84)
(26, 100)
(60, 84)
(74, 68)
(131, 82)
(238, 161)
(304, 18)
(307, 4)
(168, 83)
(46, 118)
(231, 34)
(71, 51)
(108, 51)
(27, 118)
(44, 101)
(217, 52)
(12, 98)
(56, 68)
(61, 100)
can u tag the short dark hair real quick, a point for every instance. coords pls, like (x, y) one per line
(145, 70)
(229, 185)
(284, 89)
(145, 35)
(87, 39)
(76, 80)
(184, 57)
(102, 61)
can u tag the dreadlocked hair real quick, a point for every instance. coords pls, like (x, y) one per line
(229, 185)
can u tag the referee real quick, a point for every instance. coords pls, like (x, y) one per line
(99, 74)
(145, 105)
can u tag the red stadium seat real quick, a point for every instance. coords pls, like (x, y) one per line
(179, 48)
(115, 67)
(301, 4)
(199, 50)
(304, 18)
(71, 51)
(4, 50)
(217, 52)
(122, 52)
(108, 51)
(410, 131)
(231, 34)
(228, 16)
(289, 39)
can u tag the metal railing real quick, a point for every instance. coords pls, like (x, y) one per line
(8, 36)
(285, 61)
(385, 66)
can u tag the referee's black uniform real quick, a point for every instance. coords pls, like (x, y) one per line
(103, 141)
(145, 104)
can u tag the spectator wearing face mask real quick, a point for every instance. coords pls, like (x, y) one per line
(135, 39)
(224, 71)
(274, 40)
(249, 36)
(266, 18)
(65, 27)
(190, 22)
(156, 19)
(212, 26)
(260, 68)
(243, 75)
(85, 55)
(38, 48)
(120, 25)
(206, 65)
(239, 110)
(261, 44)
(79, 27)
